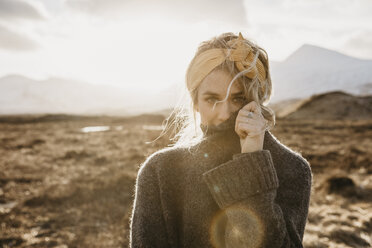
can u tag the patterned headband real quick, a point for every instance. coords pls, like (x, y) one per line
(240, 52)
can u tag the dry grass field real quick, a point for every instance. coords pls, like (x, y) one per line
(65, 186)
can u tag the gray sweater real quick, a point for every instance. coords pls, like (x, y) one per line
(212, 195)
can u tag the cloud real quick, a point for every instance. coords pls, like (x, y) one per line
(319, 14)
(11, 40)
(22, 9)
(360, 44)
(282, 26)
(97, 7)
(190, 11)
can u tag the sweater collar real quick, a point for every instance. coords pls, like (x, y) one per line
(228, 126)
(224, 133)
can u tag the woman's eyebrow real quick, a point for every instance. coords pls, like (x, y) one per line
(210, 93)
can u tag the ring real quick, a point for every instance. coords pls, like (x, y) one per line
(250, 115)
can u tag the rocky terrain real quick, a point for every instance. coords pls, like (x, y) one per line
(68, 181)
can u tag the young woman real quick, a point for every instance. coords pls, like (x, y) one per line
(229, 183)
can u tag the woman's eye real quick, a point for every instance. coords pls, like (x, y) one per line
(211, 99)
(239, 99)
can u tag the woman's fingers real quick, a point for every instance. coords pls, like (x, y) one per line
(247, 120)
(244, 129)
(249, 126)
(248, 114)
(254, 122)
(250, 121)
(241, 133)
(253, 107)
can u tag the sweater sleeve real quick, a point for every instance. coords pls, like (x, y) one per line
(246, 189)
(147, 225)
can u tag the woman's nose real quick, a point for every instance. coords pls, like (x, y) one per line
(225, 111)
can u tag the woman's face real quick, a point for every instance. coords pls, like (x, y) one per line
(214, 88)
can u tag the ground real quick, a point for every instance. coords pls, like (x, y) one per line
(62, 187)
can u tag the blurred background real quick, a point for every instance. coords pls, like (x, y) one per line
(85, 86)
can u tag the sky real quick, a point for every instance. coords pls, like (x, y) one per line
(149, 44)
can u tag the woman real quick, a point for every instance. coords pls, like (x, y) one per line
(234, 185)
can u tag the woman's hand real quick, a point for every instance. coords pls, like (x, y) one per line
(250, 125)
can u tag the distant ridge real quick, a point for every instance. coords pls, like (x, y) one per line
(311, 52)
(314, 70)
(22, 95)
(336, 105)
(142, 118)
(309, 70)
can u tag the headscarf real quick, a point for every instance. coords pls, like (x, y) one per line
(240, 52)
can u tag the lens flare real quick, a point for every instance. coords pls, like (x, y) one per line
(238, 225)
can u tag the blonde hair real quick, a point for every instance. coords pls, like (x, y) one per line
(183, 118)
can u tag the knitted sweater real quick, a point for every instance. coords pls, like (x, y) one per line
(212, 195)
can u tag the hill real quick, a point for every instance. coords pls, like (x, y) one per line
(335, 105)
(314, 70)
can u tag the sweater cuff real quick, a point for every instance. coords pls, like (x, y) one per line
(247, 174)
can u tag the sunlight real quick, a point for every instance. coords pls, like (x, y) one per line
(95, 129)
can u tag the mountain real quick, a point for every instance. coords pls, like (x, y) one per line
(335, 105)
(22, 95)
(285, 107)
(314, 70)
(19, 95)
(309, 70)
